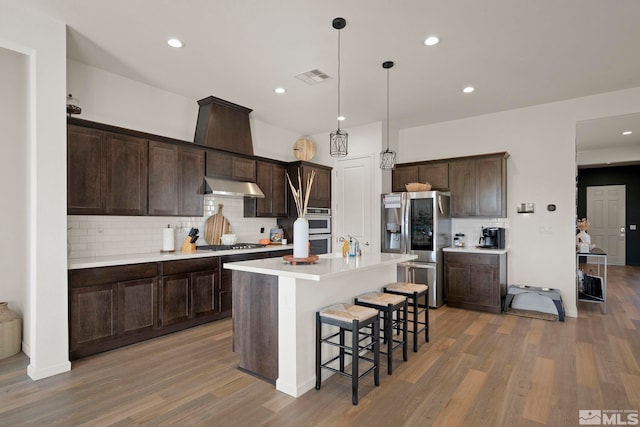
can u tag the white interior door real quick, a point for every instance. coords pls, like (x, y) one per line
(354, 212)
(606, 212)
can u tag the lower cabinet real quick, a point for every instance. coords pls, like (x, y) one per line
(188, 290)
(110, 307)
(475, 281)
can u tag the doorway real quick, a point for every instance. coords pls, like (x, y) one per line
(606, 212)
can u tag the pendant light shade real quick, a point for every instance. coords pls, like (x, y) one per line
(338, 139)
(387, 157)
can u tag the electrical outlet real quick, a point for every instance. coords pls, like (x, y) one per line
(261, 230)
(632, 227)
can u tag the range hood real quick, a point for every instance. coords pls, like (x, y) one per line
(226, 187)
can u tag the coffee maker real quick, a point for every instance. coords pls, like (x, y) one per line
(492, 238)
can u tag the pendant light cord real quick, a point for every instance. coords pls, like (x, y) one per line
(339, 79)
(387, 109)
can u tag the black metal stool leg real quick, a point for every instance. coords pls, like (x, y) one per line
(318, 351)
(355, 342)
(404, 332)
(376, 354)
(426, 317)
(388, 332)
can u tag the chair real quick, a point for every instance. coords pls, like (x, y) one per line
(387, 304)
(358, 320)
(413, 292)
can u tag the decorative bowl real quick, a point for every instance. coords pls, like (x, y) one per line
(417, 186)
(228, 239)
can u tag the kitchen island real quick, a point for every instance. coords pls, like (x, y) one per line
(274, 306)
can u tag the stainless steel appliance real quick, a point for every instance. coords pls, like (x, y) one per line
(492, 238)
(319, 220)
(319, 230)
(418, 223)
(320, 243)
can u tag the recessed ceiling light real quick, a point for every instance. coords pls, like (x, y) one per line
(468, 89)
(341, 118)
(279, 90)
(431, 41)
(175, 43)
(627, 132)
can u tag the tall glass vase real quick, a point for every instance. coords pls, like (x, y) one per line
(301, 238)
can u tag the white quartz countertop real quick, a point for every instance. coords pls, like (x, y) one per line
(106, 261)
(328, 265)
(475, 250)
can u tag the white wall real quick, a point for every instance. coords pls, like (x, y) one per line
(541, 170)
(14, 177)
(44, 42)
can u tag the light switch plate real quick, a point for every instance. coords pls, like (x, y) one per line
(632, 227)
(526, 207)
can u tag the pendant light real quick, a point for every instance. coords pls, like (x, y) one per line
(338, 139)
(387, 157)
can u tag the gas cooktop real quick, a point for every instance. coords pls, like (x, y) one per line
(230, 247)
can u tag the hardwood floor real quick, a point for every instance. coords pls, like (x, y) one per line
(479, 369)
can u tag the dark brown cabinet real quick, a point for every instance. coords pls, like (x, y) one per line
(320, 195)
(475, 281)
(479, 186)
(229, 166)
(85, 171)
(435, 173)
(271, 178)
(189, 290)
(110, 307)
(402, 175)
(106, 173)
(175, 180)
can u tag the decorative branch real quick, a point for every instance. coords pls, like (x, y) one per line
(301, 199)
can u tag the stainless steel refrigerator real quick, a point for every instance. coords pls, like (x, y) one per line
(418, 223)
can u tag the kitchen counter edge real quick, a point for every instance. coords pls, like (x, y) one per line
(475, 250)
(126, 259)
(328, 265)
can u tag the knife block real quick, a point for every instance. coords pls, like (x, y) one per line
(187, 246)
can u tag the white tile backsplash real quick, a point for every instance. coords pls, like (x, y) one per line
(471, 228)
(95, 235)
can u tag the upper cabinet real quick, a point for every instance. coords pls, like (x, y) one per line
(106, 173)
(175, 180)
(114, 171)
(272, 180)
(224, 125)
(229, 166)
(479, 186)
(320, 195)
(435, 173)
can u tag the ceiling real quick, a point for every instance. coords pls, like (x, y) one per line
(516, 53)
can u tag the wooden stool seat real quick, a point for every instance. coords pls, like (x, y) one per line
(413, 292)
(358, 320)
(387, 304)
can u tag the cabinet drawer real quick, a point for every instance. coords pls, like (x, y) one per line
(483, 259)
(103, 275)
(189, 265)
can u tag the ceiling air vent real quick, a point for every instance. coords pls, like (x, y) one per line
(312, 77)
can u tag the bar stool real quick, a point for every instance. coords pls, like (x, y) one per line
(387, 304)
(413, 292)
(353, 318)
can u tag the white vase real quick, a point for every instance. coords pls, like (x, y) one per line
(301, 238)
